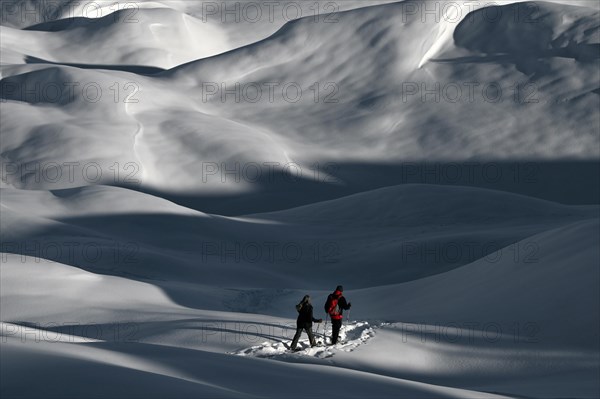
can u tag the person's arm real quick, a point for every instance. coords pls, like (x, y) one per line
(343, 304)
(312, 317)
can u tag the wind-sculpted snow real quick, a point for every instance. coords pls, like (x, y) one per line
(482, 320)
(403, 233)
(351, 91)
(176, 176)
(158, 37)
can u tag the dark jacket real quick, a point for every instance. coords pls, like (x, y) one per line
(341, 305)
(305, 316)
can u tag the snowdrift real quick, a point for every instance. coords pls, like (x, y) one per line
(364, 98)
(543, 336)
(402, 233)
(170, 188)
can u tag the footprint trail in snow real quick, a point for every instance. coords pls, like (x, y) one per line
(352, 335)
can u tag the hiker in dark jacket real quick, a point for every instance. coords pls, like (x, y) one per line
(334, 307)
(304, 322)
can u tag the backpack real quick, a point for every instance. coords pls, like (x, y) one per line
(331, 306)
(299, 307)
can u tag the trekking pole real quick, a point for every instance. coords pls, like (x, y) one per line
(344, 324)
(348, 317)
(325, 330)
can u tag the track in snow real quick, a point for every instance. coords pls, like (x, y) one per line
(352, 335)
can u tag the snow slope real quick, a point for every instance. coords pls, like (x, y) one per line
(159, 221)
(130, 323)
(403, 232)
(372, 101)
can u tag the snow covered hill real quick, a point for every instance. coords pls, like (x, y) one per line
(359, 79)
(477, 327)
(402, 233)
(176, 176)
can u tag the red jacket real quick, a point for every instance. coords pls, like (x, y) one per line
(335, 305)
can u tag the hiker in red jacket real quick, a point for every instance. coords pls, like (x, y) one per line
(334, 307)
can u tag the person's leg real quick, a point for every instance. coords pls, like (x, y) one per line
(311, 337)
(335, 330)
(296, 338)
